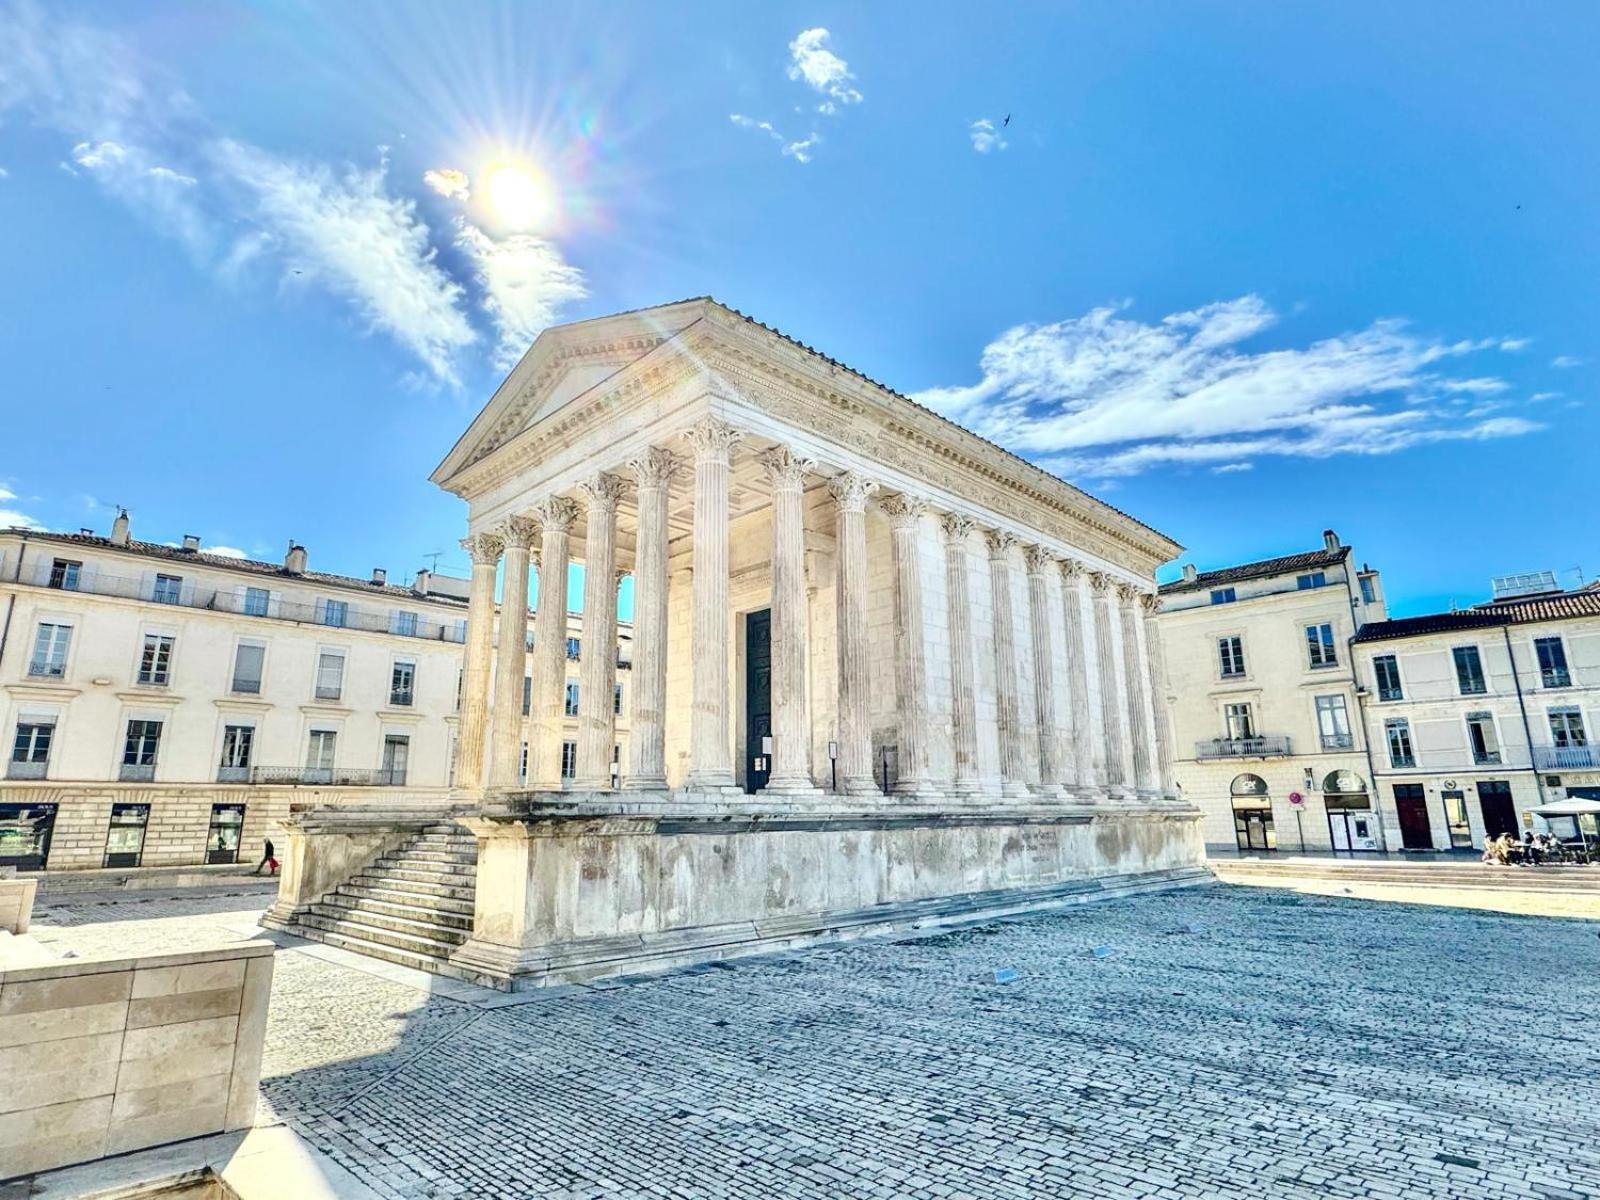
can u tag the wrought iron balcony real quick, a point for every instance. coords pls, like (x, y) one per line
(1260, 746)
(1338, 741)
(26, 770)
(137, 773)
(330, 776)
(1566, 758)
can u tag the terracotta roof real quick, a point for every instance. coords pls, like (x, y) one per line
(1529, 610)
(1307, 561)
(226, 562)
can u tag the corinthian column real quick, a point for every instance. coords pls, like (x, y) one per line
(911, 677)
(963, 654)
(1041, 565)
(647, 730)
(1113, 686)
(791, 621)
(1012, 783)
(854, 730)
(1082, 701)
(505, 715)
(1151, 629)
(1141, 708)
(597, 674)
(485, 551)
(710, 752)
(548, 700)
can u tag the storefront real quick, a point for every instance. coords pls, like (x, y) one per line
(1252, 814)
(1351, 825)
(25, 831)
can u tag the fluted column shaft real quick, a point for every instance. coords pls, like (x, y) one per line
(1141, 708)
(511, 655)
(911, 680)
(1113, 686)
(791, 625)
(1158, 683)
(1079, 759)
(479, 653)
(1012, 782)
(854, 729)
(1041, 565)
(710, 752)
(963, 654)
(549, 691)
(597, 668)
(647, 729)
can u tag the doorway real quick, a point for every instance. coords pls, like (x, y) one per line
(1499, 813)
(25, 831)
(1411, 805)
(757, 699)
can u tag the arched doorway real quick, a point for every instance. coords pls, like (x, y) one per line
(1350, 821)
(1252, 814)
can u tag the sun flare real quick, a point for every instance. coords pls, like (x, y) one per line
(518, 195)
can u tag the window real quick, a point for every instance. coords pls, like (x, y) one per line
(248, 660)
(330, 675)
(50, 651)
(574, 646)
(1333, 723)
(1239, 722)
(402, 682)
(225, 833)
(1224, 596)
(139, 751)
(1315, 579)
(1319, 646)
(320, 749)
(1469, 670)
(125, 835)
(333, 612)
(65, 574)
(1369, 590)
(30, 751)
(569, 759)
(1230, 652)
(616, 701)
(155, 663)
(257, 601)
(1481, 736)
(404, 623)
(522, 769)
(527, 694)
(168, 589)
(1387, 668)
(572, 698)
(238, 741)
(396, 754)
(1552, 662)
(1566, 729)
(1397, 731)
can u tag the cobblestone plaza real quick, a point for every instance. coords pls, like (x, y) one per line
(1232, 1042)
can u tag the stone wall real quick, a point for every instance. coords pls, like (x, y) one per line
(16, 904)
(100, 1058)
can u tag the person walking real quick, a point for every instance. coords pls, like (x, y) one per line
(269, 859)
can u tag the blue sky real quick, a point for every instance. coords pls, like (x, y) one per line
(1245, 271)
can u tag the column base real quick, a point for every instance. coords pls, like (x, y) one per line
(645, 783)
(802, 789)
(866, 786)
(1052, 792)
(917, 789)
(1015, 789)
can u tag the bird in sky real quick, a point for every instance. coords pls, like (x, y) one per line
(1007, 121)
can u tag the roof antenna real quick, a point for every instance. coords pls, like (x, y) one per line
(435, 555)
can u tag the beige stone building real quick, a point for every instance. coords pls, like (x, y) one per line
(883, 669)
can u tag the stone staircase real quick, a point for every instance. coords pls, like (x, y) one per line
(1455, 872)
(413, 906)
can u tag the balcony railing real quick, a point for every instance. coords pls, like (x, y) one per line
(330, 776)
(1338, 741)
(1265, 746)
(1566, 758)
(26, 770)
(137, 773)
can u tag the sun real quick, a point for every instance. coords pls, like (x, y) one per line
(518, 195)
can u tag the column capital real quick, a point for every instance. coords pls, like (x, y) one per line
(1101, 583)
(1127, 593)
(783, 469)
(1039, 560)
(556, 513)
(902, 510)
(518, 531)
(602, 491)
(484, 548)
(850, 491)
(957, 527)
(1000, 542)
(713, 439)
(1150, 602)
(1071, 568)
(654, 468)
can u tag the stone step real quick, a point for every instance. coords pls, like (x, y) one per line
(452, 876)
(401, 911)
(409, 887)
(428, 944)
(405, 898)
(417, 924)
(359, 945)
(414, 855)
(1539, 878)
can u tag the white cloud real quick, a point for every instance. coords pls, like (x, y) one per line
(1513, 345)
(1231, 468)
(1106, 395)
(163, 196)
(12, 518)
(799, 150)
(1541, 397)
(822, 70)
(4, 174)
(744, 122)
(226, 551)
(448, 182)
(1566, 360)
(524, 280)
(986, 138)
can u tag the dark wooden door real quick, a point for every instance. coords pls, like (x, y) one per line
(1411, 802)
(757, 698)
(1499, 813)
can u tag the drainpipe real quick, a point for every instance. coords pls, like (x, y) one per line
(11, 600)
(1361, 708)
(1522, 706)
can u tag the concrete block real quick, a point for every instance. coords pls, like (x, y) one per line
(185, 1006)
(50, 1025)
(70, 991)
(193, 977)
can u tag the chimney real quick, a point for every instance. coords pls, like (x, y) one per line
(294, 561)
(119, 528)
(1330, 539)
(380, 577)
(191, 543)
(420, 587)
(1189, 573)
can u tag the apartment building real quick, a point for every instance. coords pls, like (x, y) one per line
(1478, 717)
(163, 706)
(1262, 696)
